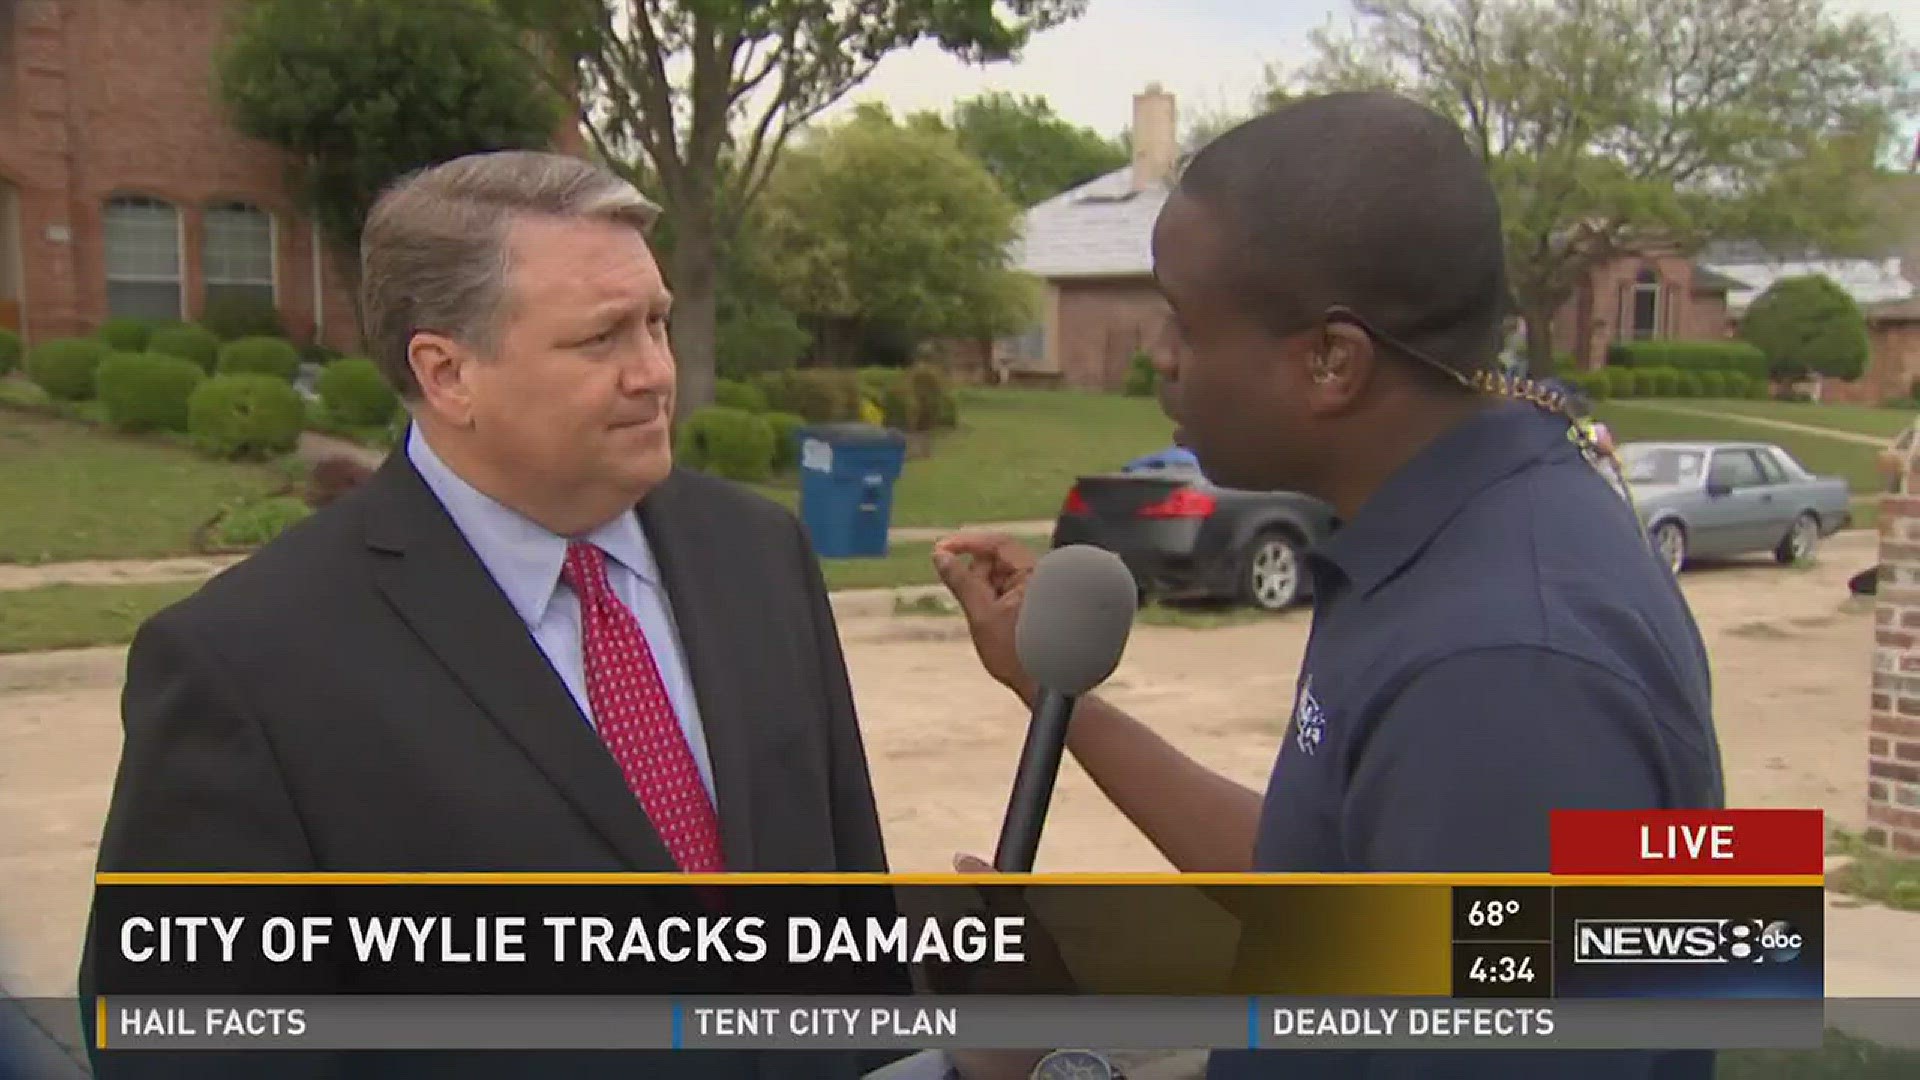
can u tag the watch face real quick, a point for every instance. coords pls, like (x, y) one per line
(1073, 1065)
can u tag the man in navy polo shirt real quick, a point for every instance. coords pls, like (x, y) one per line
(1492, 638)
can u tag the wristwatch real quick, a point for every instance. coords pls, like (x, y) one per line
(1076, 1065)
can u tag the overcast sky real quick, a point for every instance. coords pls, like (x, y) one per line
(1208, 53)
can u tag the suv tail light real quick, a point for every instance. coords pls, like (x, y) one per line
(1183, 503)
(1074, 504)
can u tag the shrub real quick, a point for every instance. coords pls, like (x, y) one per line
(1760, 389)
(1735, 384)
(1141, 377)
(935, 402)
(1596, 385)
(147, 391)
(1713, 384)
(245, 415)
(756, 337)
(194, 343)
(11, 348)
(822, 395)
(899, 408)
(354, 392)
(64, 368)
(786, 445)
(874, 381)
(126, 334)
(1657, 382)
(1689, 356)
(1686, 384)
(315, 353)
(735, 394)
(333, 478)
(1808, 324)
(1620, 382)
(256, 523)
(233, 318)
(733, 443)
(260, 356)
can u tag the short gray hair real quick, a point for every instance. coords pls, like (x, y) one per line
(433, 254)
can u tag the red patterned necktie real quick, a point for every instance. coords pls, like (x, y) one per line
(635, 718)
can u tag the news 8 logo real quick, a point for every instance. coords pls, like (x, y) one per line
(1685, 941)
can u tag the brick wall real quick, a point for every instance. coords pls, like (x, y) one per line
(1098, 326)
(1893, 741)
(1891, 368)
(1589, 321)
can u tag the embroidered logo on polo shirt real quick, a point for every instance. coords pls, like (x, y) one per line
(1309, 720)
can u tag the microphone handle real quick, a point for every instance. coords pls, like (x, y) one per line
(1033, 783)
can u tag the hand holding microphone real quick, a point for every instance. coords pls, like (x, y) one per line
(1052, 631)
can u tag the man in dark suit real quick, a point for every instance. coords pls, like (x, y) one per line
(485, 658)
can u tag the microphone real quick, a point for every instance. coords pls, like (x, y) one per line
(1073, 626)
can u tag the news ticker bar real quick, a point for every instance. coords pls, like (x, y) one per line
(973, 1022)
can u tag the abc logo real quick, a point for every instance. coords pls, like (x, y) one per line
(1775, 942)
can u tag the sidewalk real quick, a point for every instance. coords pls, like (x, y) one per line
(1756, 421)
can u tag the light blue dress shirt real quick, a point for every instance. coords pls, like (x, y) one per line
(524, 559)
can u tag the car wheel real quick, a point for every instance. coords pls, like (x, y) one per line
(1799, 543)
(1670, 543)
(1270, 572)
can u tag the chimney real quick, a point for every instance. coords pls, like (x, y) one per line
(1155, 149)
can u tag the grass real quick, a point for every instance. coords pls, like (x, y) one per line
(904, 564)
(71, 491)
(1853, 461)
(1882, 422)
(1016, 453)
(75, 616)
(1874, 875)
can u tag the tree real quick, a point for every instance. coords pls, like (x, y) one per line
(1606, 123)
(874, 225)
(361, 92)
(1033, 152)
(709, 91)
(1808, 325)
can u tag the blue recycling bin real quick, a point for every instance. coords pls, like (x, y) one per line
(847, 473)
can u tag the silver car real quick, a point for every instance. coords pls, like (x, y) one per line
(1716, 499)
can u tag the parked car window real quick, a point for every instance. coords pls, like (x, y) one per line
(1770, 470)
(1661, 465)
(1788, 465)
(1735, 469)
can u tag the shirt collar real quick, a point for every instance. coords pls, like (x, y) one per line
(522, 556)
(1396, 524)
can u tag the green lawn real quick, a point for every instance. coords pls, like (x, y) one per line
(71, 491)
(1016, 453)
(1878, 421)
(1630, 421)
(72, 616)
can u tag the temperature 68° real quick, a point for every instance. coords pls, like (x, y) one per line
(1491, 913)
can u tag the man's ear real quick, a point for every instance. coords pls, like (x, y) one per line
(441, 366)
(1339, 368)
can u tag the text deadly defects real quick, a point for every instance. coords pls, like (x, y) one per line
(578, 939)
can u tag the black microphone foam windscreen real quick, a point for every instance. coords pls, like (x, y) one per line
(1073, 626)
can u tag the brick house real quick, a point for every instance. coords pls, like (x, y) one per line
(1091, 249)
(123, 188)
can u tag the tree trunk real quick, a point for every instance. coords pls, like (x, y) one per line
(1539, 317)
(695, 309)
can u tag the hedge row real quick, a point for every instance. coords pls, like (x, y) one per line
(1665, 382)
(748, 432)
(1692, 356)
(232, 399)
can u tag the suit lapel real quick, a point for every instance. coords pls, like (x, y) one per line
(433, 579)
(685, 537)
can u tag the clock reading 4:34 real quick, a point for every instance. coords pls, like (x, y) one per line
(1501, 969)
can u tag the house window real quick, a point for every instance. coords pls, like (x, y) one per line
(237, 256)
(1646, 306)
(143, 258)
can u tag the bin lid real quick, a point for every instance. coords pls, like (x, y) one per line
(853, 434)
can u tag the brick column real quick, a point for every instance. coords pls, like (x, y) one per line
(1893, 739)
